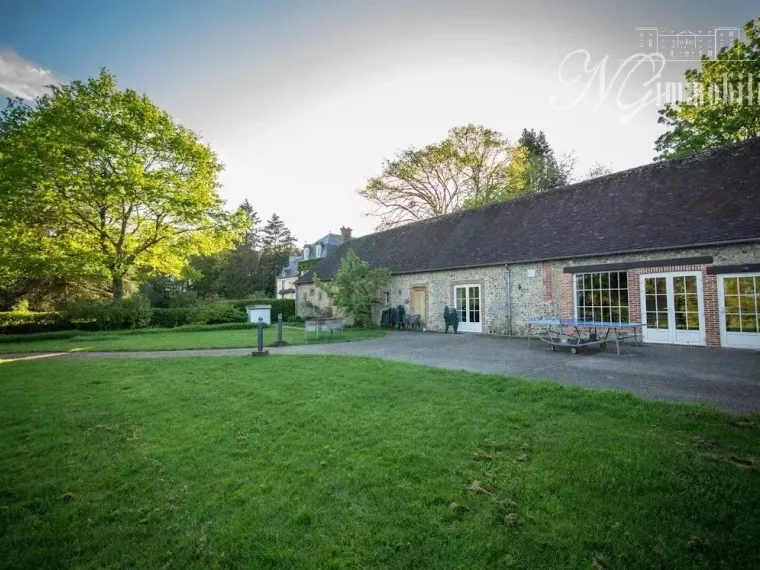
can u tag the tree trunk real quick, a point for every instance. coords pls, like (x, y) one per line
(117, 288)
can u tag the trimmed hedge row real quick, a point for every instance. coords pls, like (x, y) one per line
(93, 316)
(285, 306)
(25, 323)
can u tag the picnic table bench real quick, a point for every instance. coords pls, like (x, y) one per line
(320, 325)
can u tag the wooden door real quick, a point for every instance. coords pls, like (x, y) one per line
(419, 302)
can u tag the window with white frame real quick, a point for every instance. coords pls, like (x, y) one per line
(319, 250)
(602, 297)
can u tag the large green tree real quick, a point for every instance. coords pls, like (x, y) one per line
(537, 167)
(99, 182)
(277, 245)
(722, 103)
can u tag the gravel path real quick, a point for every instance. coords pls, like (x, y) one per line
(727, 379)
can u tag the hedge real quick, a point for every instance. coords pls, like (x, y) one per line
(92, 316)
(170, 318)
(285, 306)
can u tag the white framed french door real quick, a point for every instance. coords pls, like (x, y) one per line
(739, 307)
(672, 308)
(467, 299)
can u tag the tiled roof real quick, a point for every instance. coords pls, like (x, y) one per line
(712, 197)
(330, 243)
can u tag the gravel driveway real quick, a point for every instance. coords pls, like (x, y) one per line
(724, 378)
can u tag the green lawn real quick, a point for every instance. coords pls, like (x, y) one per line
(337, 462)
(174, 339)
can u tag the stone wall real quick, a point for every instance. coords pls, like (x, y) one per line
(527, 294)
(309, 296)
(541, 289)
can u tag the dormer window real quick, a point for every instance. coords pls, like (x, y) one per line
(306, 252)
(319, 250)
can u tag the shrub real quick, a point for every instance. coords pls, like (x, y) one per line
(22, 306)
(170, 318)
(136, 312)
(294, 319)
(285, 306)
(93, 315)
(313, 310)
(26, 323)
(184, 300)
(220, 312)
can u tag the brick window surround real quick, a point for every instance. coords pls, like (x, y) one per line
(709, 296)
(548, 285)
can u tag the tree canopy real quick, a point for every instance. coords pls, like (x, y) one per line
(472, 166)
(722, 104)
(247, 270)
(537, 168)
(100, 182)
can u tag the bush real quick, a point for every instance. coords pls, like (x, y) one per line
(285, 306)
(22, 306)
(294, 319)
(170, 318)
(184, 300)
(26, 323)
(94, 315)
(221, 312)
(136, 312)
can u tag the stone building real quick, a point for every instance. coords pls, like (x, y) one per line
(285, 285)
(674, 245)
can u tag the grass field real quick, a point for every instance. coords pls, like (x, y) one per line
(336, 462)
(173, 339)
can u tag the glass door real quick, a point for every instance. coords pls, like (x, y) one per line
(671, 307)
(739, 303)
(468, 306)
(657, 316)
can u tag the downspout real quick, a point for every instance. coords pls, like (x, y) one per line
(508, 272)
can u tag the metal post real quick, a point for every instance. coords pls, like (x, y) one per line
(279, 341)
(260, 340)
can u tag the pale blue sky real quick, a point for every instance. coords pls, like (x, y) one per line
(304, 100)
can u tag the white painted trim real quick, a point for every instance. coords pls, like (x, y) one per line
(468, 326)
(671, 306)
(722, 312)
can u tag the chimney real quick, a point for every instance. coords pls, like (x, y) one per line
(345, 233)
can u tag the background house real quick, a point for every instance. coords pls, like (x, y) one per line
(674, 244)
(310, 254)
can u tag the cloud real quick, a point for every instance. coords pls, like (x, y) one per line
(22, 78)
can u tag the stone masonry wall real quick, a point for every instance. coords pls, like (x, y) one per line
(541, 289)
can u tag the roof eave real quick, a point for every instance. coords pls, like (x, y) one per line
(583, 256)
